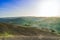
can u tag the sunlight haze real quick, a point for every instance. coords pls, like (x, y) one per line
(38, 8)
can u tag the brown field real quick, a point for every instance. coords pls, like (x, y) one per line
(29, 38)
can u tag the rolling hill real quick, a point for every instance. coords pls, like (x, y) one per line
(9, 29)
(50, 23)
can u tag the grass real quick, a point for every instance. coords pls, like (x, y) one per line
(12, 30)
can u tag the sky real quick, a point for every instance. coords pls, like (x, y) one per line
(38, 8)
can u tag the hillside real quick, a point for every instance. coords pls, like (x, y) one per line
(9, 29)
(51, 23)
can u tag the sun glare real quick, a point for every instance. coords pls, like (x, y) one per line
(47, 8)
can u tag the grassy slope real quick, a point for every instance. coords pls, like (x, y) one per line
(9, 29)
(39, 22)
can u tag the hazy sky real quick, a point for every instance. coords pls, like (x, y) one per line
(47, 8)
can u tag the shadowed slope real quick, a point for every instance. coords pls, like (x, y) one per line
(25, 31)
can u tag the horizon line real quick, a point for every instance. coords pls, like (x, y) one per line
(28, 16)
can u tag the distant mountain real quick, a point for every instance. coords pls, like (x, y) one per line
(39, 22)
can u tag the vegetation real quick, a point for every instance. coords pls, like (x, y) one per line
(9, 29)
(29, 25)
